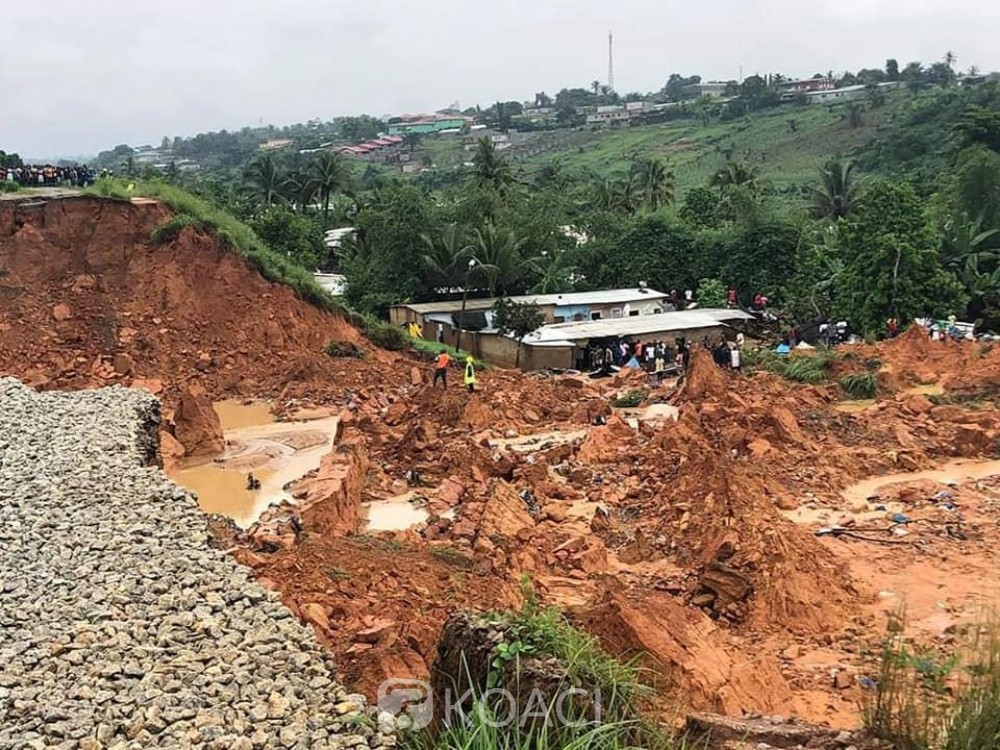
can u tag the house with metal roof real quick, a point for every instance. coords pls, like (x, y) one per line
(575, 323)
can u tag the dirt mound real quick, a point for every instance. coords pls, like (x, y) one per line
(704, 378)
(88, 300)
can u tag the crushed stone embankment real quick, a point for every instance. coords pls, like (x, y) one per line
(119, 625)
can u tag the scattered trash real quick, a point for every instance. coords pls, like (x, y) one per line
(899, 531)
(881, 507)
(867, 683)
(948, 506)
(529, 501)
(942, 495)
(899, 518)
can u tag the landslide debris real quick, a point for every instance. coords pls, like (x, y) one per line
(120, 625)
(88, 300)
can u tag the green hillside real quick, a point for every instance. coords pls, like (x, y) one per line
(788, 144)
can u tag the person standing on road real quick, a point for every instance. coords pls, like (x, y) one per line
(441, 369)
(470, 374)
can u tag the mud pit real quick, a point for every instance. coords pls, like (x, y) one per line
(276, 453)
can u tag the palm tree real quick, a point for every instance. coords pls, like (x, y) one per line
(554, 272)
(297, 191)
(596, 86)
(736, 174)
(837, 194)
(490, 167)
(446, 256)
(265, 180)
(629, 193)
(328, 175)
(496, 253)
(656, 183)
(950, 58)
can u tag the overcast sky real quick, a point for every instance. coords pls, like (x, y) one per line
(77, 77)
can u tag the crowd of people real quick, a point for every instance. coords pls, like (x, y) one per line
(655, 357)
(47, 175)
(662, 358)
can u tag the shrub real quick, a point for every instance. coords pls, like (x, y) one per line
(344, 349)
(384, 334)
(6, 186)
(630, 399)
(861, 385)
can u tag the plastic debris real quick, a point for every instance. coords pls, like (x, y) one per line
(899, 518)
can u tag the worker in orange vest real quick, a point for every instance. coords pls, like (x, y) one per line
(441, 369)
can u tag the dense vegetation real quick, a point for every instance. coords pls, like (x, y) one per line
(902, 224)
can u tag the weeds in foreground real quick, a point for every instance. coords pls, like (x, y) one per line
(924, 701)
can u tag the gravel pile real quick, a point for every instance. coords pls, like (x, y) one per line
(119, 626)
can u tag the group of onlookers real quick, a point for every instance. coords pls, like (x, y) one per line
(47, 175)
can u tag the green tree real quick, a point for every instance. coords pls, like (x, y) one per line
(913, 76)
(701, 207)
(295, 236)
(516, 319)
(328, 174)
(656, 183)
(891, 265)
(446, 257)
(837, 192)
(384, 265)
(976, 188)
(490, 167)
(759, 256)
(712, 293)
(736, 174)
(554, 272)
(496, 253)
(980, 125)
(892, 69)
(265, 181)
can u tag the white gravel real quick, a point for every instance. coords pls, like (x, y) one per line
(120, 627)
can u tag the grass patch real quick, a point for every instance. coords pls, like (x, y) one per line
(630, 399)
(925, 701)
(6, 186)
(545, 635)
(168, 231)
(337, 349)
(430, 349)
(862, 385)
(227, 229)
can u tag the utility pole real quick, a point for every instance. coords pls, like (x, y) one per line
(611, 62)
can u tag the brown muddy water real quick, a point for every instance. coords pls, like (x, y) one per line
(277, 453)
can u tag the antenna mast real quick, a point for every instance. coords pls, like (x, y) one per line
(611, 62)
